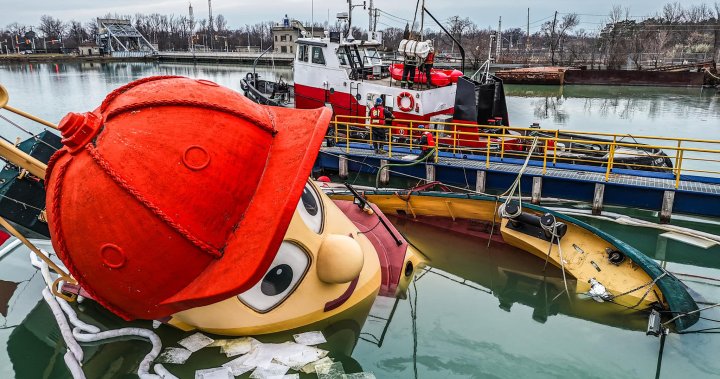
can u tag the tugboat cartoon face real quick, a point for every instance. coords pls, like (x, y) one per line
(183, 201)
(324, 266)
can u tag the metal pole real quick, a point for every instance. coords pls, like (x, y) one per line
(527, 38)
(498, 46)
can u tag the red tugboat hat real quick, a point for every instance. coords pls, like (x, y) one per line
(176, 193)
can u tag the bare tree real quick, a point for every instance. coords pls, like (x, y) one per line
(220, 24)
(52, 28)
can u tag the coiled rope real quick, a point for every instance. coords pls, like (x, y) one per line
(83, 332)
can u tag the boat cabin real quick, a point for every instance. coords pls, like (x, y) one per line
(350, 75)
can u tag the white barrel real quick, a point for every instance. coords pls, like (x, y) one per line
(414, 48)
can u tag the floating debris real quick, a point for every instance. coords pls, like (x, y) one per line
(238, 346)
(196, 342)
(310, 367)
(269, 371)
(174, 355)
(359, 375)
(333, 370)
(238, 366)
(297, 356)
(214, 373)
(310, 338)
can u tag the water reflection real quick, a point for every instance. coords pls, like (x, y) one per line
(677, 112)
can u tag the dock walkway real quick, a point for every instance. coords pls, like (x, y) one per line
(628, 188)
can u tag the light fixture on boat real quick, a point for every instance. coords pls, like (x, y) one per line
(655, 327)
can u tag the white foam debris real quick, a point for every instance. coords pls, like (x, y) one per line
(290, 376)
(310, 367)
(297, 356)
(269, 371)
(195, 342)
(238, 366)
(333, 370)
(310, 338)
(239, 346)
(359, 375)
(156, 324)
(174, 355)
(214, 373)
(219, 343)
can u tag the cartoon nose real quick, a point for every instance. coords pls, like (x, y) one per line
(340, 259)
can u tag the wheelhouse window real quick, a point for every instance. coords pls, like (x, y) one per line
(302, 53)
(342, 57)
(317, 55)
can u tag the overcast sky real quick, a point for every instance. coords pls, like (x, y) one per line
(241, 12)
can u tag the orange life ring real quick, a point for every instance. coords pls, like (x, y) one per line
(403, 95)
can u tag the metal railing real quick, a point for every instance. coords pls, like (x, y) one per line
(563, 149)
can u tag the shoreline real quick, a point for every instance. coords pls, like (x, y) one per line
(50, 58)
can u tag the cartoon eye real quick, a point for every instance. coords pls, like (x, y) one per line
(310, 208)
(286, 271)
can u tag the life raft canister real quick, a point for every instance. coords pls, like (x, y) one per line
(404, 95)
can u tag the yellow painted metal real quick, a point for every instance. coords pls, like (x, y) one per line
(487, 152)
(704, 151)
(555, 148)
(677, 176)
(22, 159)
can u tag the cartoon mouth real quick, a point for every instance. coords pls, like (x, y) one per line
(332, 304)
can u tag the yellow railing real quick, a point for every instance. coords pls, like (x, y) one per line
(611, 151)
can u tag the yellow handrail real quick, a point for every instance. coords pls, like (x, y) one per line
(581, 148)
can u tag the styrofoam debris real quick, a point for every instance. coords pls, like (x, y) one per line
(174, 355)
(239, 346)
(359, 375)
(297, 356)
(195, 342)
(310, 367)
(290, 376)
(333, 370)
(219, 343)
(310, 338)
(156, 324)
(238, 366)
(214, 373)
(269, 371)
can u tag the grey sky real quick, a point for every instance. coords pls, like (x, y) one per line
(241, 12)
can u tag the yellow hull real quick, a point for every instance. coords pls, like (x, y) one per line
(580, 247)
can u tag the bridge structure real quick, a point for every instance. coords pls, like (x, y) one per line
(119, 35)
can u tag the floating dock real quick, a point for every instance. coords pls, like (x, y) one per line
(677, 190)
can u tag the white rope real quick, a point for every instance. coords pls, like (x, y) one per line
(691, 312)
(85, 332)
(515, 187)
(554, 236)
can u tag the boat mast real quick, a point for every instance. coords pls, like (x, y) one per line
(422, 20)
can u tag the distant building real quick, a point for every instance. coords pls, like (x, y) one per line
(286, 33)
(88, 49)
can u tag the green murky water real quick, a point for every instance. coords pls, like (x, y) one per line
(479, 313)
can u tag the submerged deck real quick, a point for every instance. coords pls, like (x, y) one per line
(628, 188)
